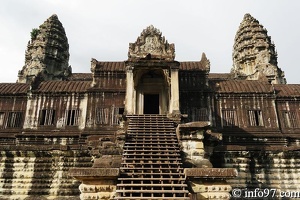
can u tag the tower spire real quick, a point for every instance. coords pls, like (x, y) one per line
(254, 55)
(47, 54)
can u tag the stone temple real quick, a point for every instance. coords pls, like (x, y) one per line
(149, 127)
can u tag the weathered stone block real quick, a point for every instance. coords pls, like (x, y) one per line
(108, 162)
(199, 145)
(213, 195)
(87, 173)
(200, 186)
(211, 172)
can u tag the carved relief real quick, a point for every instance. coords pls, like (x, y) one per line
(151, 45)
(29, 122)
(269, 71)
(60, 123)
(89, 122)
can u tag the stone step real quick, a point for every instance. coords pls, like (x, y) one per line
(143, 151)
(154, 191)
(139, 133)
(152, 175)
(149, 168)
(155, 125)
(156, 158)
(132, 138)
(152, 136)
(150, 132)
(159, 140)
(172, 147)
(153, 185)
(152, 179)
(131, 127)
(155, 173)
(151, 127)
(150, 122)
(151, 163)
(161, 149)
(165, 164)
(156, 198)
(150, 155)
(151, 139)
(162, 124)
(145, 115)
(154, 143)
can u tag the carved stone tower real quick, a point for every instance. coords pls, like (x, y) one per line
(254, 55)
(152, 75)
(47, 54)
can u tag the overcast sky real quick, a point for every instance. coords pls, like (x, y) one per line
(102, 29)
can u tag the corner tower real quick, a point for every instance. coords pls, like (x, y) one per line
(47, 54)
(254, 56)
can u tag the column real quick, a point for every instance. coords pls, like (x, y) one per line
(129, 99)
(174, 100)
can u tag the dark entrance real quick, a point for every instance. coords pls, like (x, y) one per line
(151, 103)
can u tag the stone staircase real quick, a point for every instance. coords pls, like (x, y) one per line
(151, 166)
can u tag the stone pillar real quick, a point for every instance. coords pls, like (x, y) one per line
(129, 99)
(174, 100)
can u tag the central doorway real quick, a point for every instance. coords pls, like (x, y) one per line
(151, 92)
(151, 103)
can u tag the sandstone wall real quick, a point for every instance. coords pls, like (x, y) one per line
(40, 172)
(263, 169)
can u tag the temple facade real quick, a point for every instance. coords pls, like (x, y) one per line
(149, 127)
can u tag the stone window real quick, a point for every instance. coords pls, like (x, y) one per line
(255, 118)
(72, 117)
(229, 118)
(199, 114)
(290, 119)
(14, 120)
(2, 118)
(102, 115)
(47, 117)
(108, 115)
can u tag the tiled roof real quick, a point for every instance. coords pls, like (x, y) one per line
(211, 76)
(81, 77)
(197, 65)
(63, 86)
(111, 66)
(241, 86)
(120, 66)
(220, 76)
(14, 88)
(289, 90)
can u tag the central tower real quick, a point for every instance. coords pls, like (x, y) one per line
(152, 75)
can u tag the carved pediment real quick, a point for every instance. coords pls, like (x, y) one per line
(151, 45)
